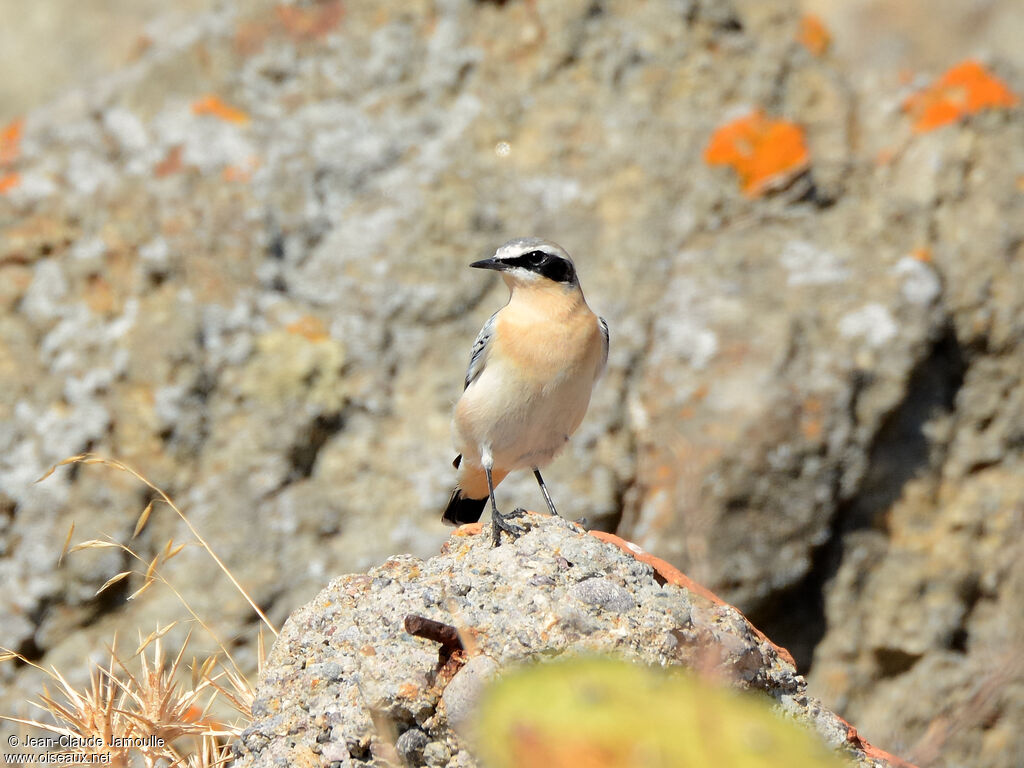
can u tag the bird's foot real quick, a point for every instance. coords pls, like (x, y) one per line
(500, 522)
(582, 522)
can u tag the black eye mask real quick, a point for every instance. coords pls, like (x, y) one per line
(552, 267)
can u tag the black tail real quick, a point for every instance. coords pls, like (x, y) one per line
(461, 510)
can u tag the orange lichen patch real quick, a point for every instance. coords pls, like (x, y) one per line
(8, 182)
(99, 296)
(813, 34)
(408, 690)
(811, 420)
(673, 575)
(250, 37)
(963, 90)
(309, 327)
(531, 746)
(311, 23)
(142, 44)
(469, 529)
(885, 156)
(215, 106)
(854, 738)
(811, 428)
(241, 173)
(763, 151)
(170, 164)
(922, 254)
(664, 571)
(10, 141)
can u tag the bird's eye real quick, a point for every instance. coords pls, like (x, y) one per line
(535, 258)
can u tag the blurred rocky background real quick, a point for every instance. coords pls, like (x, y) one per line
(233, 249)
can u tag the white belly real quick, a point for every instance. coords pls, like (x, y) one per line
(522, 424)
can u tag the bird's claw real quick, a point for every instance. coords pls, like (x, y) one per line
(500, 522)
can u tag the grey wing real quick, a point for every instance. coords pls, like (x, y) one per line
(478, 357)
(606, 336)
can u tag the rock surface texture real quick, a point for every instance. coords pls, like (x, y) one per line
(346, 685)
(239, 264)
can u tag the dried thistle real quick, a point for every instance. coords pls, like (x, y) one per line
(149, 711)
(157, 704)
(93, 717)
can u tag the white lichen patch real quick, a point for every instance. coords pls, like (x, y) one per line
(87, 173)
(921, 285)
(872, 322)
(89, 250)
(44, 299)
(807, 264)
(127, 129)
(35, 185)
(154, 254)
(207, 142)
(684, 334)
(227, 332)
(554, 192)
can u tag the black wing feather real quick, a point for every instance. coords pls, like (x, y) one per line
(607, 336)
(478, 357)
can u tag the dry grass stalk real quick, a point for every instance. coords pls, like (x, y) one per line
(149, 714)
(91, 458)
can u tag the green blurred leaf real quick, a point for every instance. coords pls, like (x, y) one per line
(604, 713)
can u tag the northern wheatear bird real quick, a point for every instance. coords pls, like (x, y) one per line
(531, 372)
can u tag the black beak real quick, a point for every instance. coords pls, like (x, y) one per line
(491, 263)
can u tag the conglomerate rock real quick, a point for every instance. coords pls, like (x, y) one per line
(239, 264)
(347, 685)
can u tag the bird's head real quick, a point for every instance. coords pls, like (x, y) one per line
(532, 262)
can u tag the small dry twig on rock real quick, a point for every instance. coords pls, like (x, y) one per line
(428, 629)
(452, 653)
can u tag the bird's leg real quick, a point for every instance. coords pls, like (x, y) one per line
(494, 507)
(500, 522)
(544, 490)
